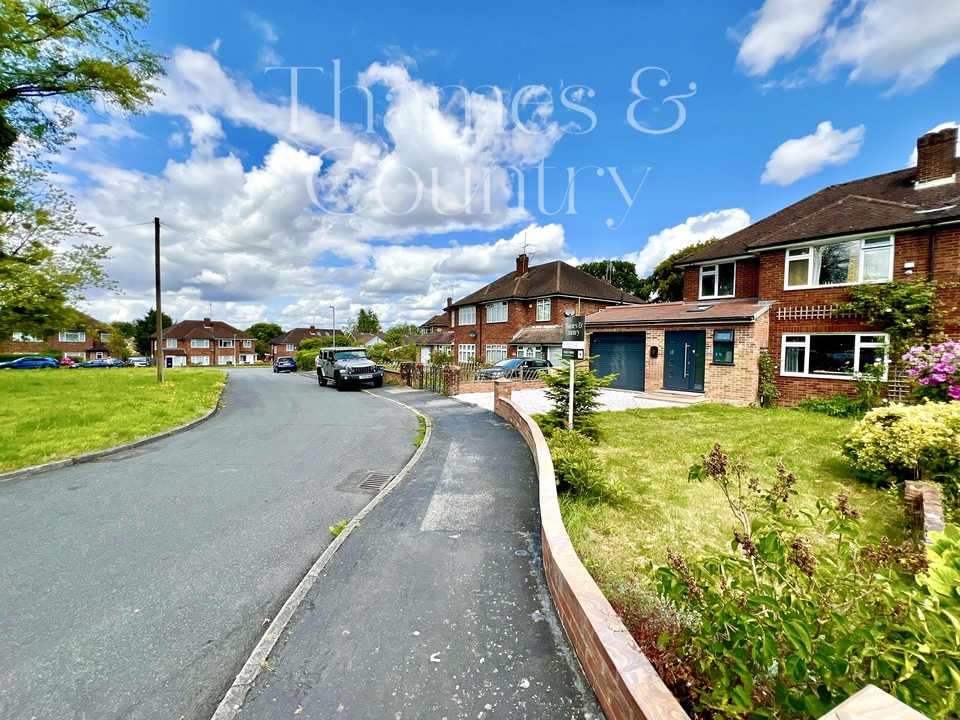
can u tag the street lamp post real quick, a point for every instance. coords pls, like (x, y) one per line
(334, 324)
(234, 349)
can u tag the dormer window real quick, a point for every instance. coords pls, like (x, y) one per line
(717, 281)
(869, 260)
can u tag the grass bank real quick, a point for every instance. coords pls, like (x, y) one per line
(48, 415)
(650, 453)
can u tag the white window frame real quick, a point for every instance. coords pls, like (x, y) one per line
(248, 343)
(25, 337)
(543, 310)
(714, 272)
(808, 253)
(467, 315)
(495, 353)
(497, 312)
(225, 360)
(73, 336)
(169, 342)
(466, 352)
(201, 343)
(528, 351)
(802, 341)
(199, 359)
(291, 347)
(224, 344)
(104, 337)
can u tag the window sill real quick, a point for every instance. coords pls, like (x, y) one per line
(838, 285)
(716, 297)
(718, 364)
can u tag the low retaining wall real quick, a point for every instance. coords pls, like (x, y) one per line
(626, 684)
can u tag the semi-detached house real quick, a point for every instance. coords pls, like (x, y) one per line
(773, 285)
(206, 342)
(521, 314)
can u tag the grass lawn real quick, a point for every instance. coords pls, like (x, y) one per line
(49, 415)
(650, 453)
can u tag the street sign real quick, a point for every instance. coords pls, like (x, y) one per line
(574, 333)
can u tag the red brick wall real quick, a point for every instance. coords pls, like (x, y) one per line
(50, 344)
(520, 314)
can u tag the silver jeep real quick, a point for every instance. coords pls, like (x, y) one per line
(347, 366)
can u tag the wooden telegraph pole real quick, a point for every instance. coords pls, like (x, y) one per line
(158, 355)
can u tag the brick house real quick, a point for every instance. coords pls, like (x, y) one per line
(84, 341)
(289, 342)
(205, 342)
(521, 314)
(773, 285)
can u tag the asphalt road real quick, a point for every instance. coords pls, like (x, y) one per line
(136, 586)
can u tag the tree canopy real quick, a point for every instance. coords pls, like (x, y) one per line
(366, 322)
(77, 51)
(264, 332)
(665, 283)
(147, 326)
(619, 273)
(398, 334)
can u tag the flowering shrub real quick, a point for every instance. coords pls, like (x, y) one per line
(936, 371)
(901, 440)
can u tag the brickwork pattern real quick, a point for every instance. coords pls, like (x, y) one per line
(626, 684)
(924, 507)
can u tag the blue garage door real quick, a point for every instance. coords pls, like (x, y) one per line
(620, 353)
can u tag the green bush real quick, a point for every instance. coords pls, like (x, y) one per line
(836, 406)
(804, 612)
(902, 441)
(577, 466)
(306, 359)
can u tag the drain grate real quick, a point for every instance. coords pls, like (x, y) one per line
(375, 482)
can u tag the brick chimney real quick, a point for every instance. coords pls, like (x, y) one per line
(523, 264)
(313, 330)
(207, 323)
(450, 322)
(936, 158)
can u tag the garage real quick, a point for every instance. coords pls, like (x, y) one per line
(620, 353)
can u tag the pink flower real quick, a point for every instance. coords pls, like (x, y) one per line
(924, 381)
(954, 392)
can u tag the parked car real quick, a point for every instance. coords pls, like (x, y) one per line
(30, 362)
(102, 363)
(137, 361)
(528, 368)
(284, 364)
(347, 365)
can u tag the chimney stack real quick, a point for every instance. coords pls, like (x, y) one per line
(523, 264)
(313, 330)
(207, 323)
(936, 158)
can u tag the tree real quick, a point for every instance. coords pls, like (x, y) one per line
(117, 342)
(586, 398)
(40, 283)
(366, 322)
(398, 334)
(665, 283)
(147, 326)
(264, 332)
(79, 52)
(619, 273)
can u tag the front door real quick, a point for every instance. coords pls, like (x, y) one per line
(685, 360)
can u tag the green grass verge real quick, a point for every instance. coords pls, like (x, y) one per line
(650, 453)
(50, 415)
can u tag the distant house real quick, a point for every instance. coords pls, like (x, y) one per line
(368, 339)
(438, 323)
(431, 342)
(289, 342)
(84, 341)
(205, 342)
(521, 314)
(772, 287)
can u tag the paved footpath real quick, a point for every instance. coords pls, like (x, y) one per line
(436, 605)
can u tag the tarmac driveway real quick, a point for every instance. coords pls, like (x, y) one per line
(136, 586)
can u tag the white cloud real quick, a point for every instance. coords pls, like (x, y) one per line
(906, 41)
(912, 161)
(659, 247)
(782, 30)
(801, 157)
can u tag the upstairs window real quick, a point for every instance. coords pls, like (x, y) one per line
(170, 342)
(717, 280)
(543, 310)
(844, 263)
(497, 312)
(26, 337)
(468, 315)
(73, 336)
(199, 343)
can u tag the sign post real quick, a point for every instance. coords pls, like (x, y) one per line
(574, 343)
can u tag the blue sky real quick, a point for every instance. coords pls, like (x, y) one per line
(458, 130)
